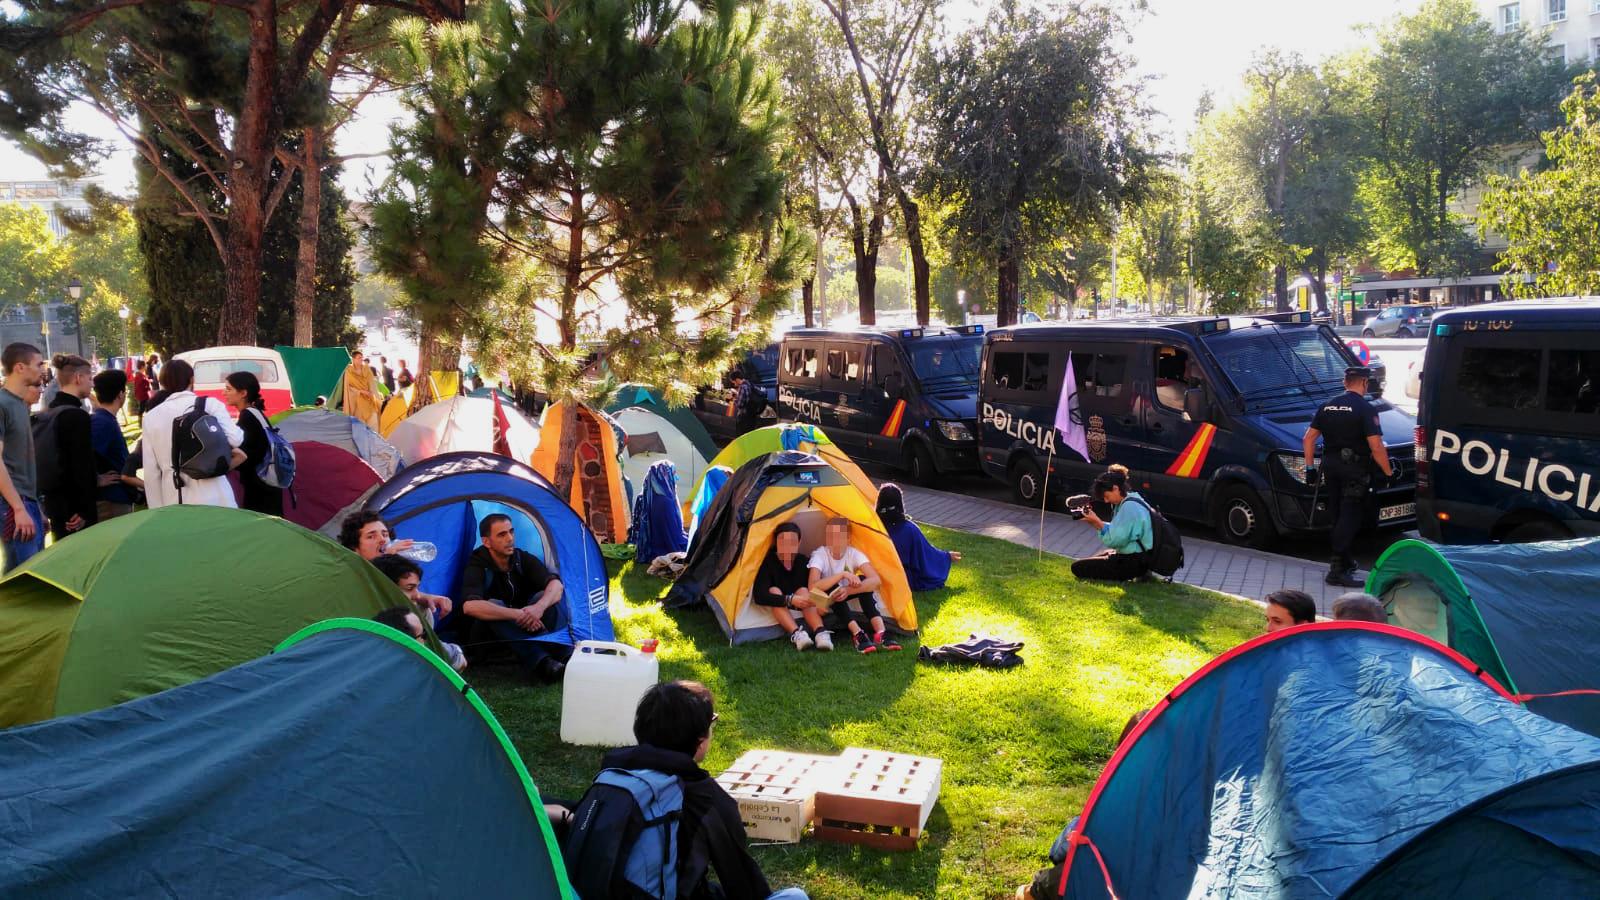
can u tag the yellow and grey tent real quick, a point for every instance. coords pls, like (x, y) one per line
(735, 535)
(777, 438)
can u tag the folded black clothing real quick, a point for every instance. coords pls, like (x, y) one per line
(989, 652)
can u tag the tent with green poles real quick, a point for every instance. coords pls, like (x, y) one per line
(164, 597)
(1525, 613)
(349, 762)
(681, 417)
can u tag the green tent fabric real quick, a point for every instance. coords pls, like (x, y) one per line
(313, 371)
(681, 417)
(162, 598)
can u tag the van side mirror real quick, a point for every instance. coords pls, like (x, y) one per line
(1196, 406)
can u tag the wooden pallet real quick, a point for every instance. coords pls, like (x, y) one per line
(776, 791)
(877, 799)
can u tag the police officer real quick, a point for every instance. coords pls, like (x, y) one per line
(1352, 449)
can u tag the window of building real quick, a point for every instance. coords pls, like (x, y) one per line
(1510, 17)
(1558, 10)
(1500, 377)
(1594, 50)
(1556, 53)
(1011, 370)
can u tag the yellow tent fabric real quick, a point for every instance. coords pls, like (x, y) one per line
(394, 411)
(810, 506)
(446, 384)
(597, 493)
(776, 438)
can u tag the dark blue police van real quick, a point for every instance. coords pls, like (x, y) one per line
(906, 396)
(714, 407)
(1509, 425)
(1208, 414)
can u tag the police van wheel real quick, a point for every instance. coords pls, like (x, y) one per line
(1027, 482)
(1539, 530)
(919, 464)
(1241, 518)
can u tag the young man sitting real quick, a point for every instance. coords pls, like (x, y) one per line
(783, 586)
(407, 576)
(511, 593)
(673, 725)
(844, 575)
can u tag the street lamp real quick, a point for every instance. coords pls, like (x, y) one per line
(75, 291)
(127, 347)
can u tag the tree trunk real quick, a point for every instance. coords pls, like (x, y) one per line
(248, 178)
(1072, 302)
(1319, 287)
(865, 236)
(305, 267)
(1280, 286)
(1007, 287)
(436, 352)
(919, 257)
(808, 301)
(566, 452)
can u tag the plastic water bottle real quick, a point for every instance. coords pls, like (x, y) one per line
(419, 551)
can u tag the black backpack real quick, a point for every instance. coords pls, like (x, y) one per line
(1166, 557)
(46, 451)
(200, 447)
(624, 839)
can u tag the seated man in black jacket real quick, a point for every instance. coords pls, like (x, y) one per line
(673, 725)
(510, 593)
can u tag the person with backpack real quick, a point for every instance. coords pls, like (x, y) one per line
(64, 450)
(656, 825)
(189, 444)
(1128, 537)
(242, 392)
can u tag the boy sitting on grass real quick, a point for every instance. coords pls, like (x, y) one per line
(782, 586)
(843, 575)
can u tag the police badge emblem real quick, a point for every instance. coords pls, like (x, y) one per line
(1097, 439)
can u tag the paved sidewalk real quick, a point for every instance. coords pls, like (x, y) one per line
(1250, 574)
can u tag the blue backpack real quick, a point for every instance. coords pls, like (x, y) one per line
(277, 467)
(624, 838)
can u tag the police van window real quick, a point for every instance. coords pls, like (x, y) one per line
(794, 361)
(1574, 382)
(844, 364)
(852, 364)
(835, 363)
(805, 365)
(1103, 381)
(1499, 377)
(1014, 371)
(1176, 372)
(884, 362)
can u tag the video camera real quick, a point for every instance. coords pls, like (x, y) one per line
(1078, 505)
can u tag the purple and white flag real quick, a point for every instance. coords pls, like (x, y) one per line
(1069, 417)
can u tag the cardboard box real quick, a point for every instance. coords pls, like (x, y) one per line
(877, 799)
(776, 792)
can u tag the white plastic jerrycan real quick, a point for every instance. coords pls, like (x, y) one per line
(601, 690)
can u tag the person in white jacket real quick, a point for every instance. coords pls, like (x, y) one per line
(177, 377)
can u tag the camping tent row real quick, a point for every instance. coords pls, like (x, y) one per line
(1526, 613)
(285, 785)
(736, 533)
(1340, 759)
(338, 461)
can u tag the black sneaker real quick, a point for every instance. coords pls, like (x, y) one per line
(864, 644)
(1346, 578)
(885, 642)
(550, 671)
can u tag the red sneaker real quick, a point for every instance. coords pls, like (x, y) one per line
(882, 640)
(864, 644)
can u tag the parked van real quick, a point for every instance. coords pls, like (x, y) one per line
(213, 364)
(714, 407)
(1209, 414)
(906, 397)
(1510, 423)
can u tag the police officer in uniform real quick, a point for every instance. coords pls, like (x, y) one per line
(1352, 449)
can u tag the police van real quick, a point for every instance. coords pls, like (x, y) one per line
(714, 406)
(1208, 414)
(1510, 423)
(906, 397)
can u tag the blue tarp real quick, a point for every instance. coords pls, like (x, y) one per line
(443, 503)
(348, 763)
(657, 518)
(715, 478)
(1301, 762)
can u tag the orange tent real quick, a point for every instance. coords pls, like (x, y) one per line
(597, 493)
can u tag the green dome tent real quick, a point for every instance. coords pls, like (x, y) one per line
(163, 598)
(681, 417)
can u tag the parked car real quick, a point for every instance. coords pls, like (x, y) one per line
(1400, 322)
(213, 364)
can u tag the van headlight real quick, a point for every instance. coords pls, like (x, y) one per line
(1295, 465)
(954, 431)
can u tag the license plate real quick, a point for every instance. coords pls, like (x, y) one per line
(1398, 511)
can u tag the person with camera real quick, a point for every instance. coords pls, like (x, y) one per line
(1352, 448)
(1127, 537)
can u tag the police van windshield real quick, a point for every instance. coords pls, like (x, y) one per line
(946, 362)
(764, 363)
(1268, 360)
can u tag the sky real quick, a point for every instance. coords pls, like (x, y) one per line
(1185, 47)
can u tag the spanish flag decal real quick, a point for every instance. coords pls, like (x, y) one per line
(1188, 463)
(892, 428)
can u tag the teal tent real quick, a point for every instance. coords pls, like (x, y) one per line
(681, 417)
(349, 762)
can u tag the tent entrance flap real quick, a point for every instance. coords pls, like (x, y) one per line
(1417, 604)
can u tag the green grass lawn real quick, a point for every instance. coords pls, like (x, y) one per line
(1021, 748)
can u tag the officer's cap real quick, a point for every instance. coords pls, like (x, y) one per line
(1358, 372)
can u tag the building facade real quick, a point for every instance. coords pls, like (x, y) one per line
(52, 196)
(1571, 28)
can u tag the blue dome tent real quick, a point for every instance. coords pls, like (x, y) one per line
(277, 778)
(1340, 759)
(442, 500)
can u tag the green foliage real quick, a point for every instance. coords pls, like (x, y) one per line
(105, 258)
(1154, 235)
(33, 264)
(1020, 748)
(1442, 93)
(1014, 188)
(1550, 216)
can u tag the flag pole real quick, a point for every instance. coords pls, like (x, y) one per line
(1044, 494)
